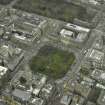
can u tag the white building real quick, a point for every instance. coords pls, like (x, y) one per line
(37, 101)
(27, 27)
(66, 99)
(39, 81)
(7, 51)
(66, 33)
(77, 28)
(66, 36)
(98, 75)
(95, 2)
(81, 37)
(95, 55)
(3, 71)
(101, 99)
(74, 33)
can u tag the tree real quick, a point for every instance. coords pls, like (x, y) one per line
(22, 80)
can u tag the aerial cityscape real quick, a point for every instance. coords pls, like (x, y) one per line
(52, 52)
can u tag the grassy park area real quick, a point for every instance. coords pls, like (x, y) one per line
(52, 61)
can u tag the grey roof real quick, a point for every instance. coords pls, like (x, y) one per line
(101, 99)
(21, 94)
(37, 101)
(2, 103)
(90, 103)
(66, 100)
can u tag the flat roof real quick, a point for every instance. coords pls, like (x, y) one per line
(101, 99)
(37, 101)
(81, 36)
(21, 94)
(77, 28)
(2, 103)
(65, 33)
(98, 74)
(65, 100)
(95, 54)
(3, 71)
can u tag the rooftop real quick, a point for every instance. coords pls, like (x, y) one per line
(101, 99)
(66, 33)
(77, 28)
(95, 55)
(3, 71)
(74, 32)
(37, 101)
(66, 99)
(21, 94)
(9, 50)
(98, 75)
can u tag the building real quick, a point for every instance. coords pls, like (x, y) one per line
(15, 82)
(66, 35)
(98, 75)
(4, 76)
(10, 56)
(90, 103)
(77, 100)
(25, 88)
(74, 33)
(71, 83)
(3, 71)
(38, 82)
(23, 27)
(27, 28)
(2, 103)
(95, 2)
(98, 43)
(21, 95)
(66, 99)
(5, 18)
(83, 88)
(37, 101)
(25, 32)
(81, 37)
(101, 86)
(77, 28)
(95, 55)
(101, 99)
(33, 83)
(47, 91)
(7, 51)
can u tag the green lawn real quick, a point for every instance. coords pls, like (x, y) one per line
(52, 62)
(54, 9)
